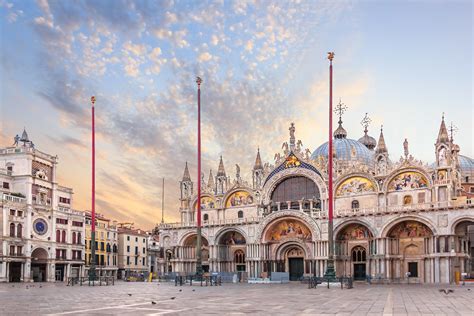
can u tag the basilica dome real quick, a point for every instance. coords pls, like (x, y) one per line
(346, 149)
(466, 165)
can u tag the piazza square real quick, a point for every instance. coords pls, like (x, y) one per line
(236, 157)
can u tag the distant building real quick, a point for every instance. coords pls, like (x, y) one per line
(155, 252)
(42, 237)
(106, 240)
(394, 218)
(132, 252)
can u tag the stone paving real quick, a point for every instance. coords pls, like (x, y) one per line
(233, 299)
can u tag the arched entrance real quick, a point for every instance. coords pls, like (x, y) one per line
(188, 251)
(352, 256)
(231, 252)
(464, 246)
(287, 242)
(39, 262)
(408, 246)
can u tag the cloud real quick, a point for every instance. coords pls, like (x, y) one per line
(205, 57)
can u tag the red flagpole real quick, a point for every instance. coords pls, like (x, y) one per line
(330, 271)
(92, 264)
(198, 214)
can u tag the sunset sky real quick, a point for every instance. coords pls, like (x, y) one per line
(263, 65)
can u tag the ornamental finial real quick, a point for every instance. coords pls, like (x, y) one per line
(198, 81)
(330, 56)
(93, 100)
(366, 122)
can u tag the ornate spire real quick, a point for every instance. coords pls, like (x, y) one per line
(381, 147)
(452, 130)
(258, 161)
(186, 176)
(210, 181)
(443, 136)
(367, 140)
(221, 170)
(340, 132)
(24, 136)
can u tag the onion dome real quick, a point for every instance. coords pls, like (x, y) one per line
(346, 149)
(368, 141)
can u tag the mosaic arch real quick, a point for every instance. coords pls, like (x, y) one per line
(408, 181)
(231, 238)
(191, 241)
(239, 198)
(410, 229)
(355, 185)
(288, 229)
(354, 232)
(207, 202)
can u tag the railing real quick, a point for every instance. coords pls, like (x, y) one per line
(15, 199)
(106, 280)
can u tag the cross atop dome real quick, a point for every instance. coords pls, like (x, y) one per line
(340, 132)
(367, 140)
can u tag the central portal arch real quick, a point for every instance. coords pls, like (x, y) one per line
(293, 256)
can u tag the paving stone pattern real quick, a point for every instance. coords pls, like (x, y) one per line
(233, 299)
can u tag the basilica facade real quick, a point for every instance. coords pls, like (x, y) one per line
(396, 219)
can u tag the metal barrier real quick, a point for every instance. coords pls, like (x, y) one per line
(212, 280)
(102, 280)
(313, 282)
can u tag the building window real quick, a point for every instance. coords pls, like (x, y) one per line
(19, 230)
(73, 237)
(128, 248)
(421, 197)
(239, 257)
(143, 249)
(407, 200)
(12, 212)
(136, 261)
(102, 246)
(136, 239)
(19, 250)
(12, 230)
(61, 221)
(12, 250)
(64, 236)
(64, 200)
(128, 260)
(79, 241)
(136, 250)
(472, 189)
(19, 213)
(58, 235)
(143, 261)
(355, 205)
(128, 238)
(240, 214)
(205, 217)
(6, 185)
(77, 224)
(143, 239)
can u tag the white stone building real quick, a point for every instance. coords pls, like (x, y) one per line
(394, 218)
(132, 251)
(41, 236)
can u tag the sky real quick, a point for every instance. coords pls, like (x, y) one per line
(263, 65)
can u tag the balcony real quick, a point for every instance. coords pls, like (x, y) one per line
(12, 198)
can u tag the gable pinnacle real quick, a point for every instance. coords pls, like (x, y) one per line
(186, 176)
(381, 147)
(258, 161)
(443, 136)
(221, 170)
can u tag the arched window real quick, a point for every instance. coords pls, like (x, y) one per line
(108, 247)
(58, 235)
(73, 237)
(240, 214)
(205, 217)
(63, 239)
(239, 257)
(359, 254)
(355, 205)
(79, 238)
(12, 230)
(19, 230)
(295, 189)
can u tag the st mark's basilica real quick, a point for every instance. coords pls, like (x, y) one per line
(394, 218)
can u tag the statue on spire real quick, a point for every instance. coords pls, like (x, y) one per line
(292, 136)
(405, 148)
(366, 122)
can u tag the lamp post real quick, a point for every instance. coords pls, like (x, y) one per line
(92, 264)
(330, 271)
(198, 205)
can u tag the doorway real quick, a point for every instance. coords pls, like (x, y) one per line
(15, 272)
(59, 276)
(296, 266)
(359, 271)
(39, 272)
